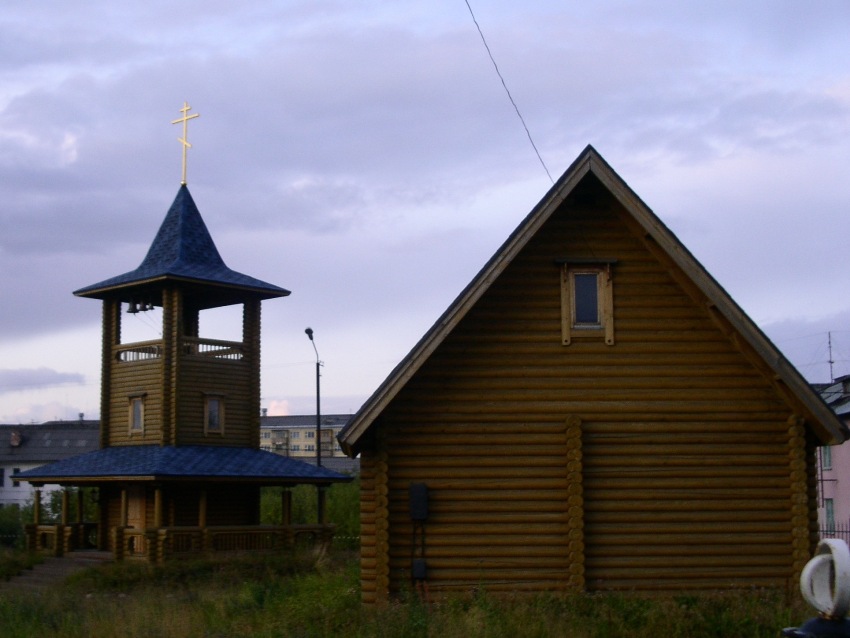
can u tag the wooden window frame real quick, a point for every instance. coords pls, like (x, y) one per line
(219, 430)
(132, 429)
(570, 327)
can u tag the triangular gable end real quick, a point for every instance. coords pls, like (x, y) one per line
(688, 272)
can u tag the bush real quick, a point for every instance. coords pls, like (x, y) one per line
(342, 507)
(11, 526)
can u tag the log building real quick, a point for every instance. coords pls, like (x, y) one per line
(179, 466)
(593, 412)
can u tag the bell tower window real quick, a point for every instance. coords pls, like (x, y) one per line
(137, 414)
(214, 415)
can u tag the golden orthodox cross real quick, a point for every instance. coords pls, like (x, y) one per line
(185, 119)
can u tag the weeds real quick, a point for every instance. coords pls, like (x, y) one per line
(294, 595)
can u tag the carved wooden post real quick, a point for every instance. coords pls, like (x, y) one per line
(157, 507)
(66, 503)
(122, 519)
(79, 528)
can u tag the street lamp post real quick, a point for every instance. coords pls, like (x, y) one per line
(309, 332)
(320, 492)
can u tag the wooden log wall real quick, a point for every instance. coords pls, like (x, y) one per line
(227, 379)
(111, 337)
(690, 475)
(133, 378)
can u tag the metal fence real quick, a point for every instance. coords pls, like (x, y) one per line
(838, 530)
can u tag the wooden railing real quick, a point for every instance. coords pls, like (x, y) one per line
(158, 545)
(140, 351)
(231, 350)
(54, 540)
(147, 350)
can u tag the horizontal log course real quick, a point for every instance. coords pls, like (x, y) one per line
(413, 448)
(721, 490)
(625, 447)
(482, 465)
(676, 584)
(721, 485)
(595, 515)
(509, 389)
(625, 531)
(753, 544)
(476, 495)
(672, 575)
(536, 404)
(659, 503)
(538, 544)
(518, 486)
(557, 518)
(689, 477)
(495, 507)
(520, 531)
(684, 460)
(481, 576)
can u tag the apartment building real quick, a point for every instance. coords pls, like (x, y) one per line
(295, 436)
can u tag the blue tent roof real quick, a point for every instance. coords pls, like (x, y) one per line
(181, 462)
(183, 249)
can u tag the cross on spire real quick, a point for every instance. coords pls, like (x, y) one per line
(185, 119)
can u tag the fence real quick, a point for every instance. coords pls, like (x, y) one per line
(837, 530)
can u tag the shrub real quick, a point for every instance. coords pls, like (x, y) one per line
(11, 526)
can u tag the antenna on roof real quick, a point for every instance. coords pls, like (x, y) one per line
(831, 361)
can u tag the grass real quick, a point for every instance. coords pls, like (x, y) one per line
(13, 562)
(296, 595)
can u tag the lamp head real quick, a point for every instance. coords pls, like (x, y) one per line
(309, 332)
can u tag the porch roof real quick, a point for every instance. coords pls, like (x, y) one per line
(188, 462)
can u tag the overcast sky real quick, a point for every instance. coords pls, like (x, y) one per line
(365, 155)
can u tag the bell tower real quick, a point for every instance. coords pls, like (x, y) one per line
(183, 388)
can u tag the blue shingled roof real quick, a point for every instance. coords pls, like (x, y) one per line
(184, 249)
(182, 462)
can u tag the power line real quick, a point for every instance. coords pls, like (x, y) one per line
(510, 97)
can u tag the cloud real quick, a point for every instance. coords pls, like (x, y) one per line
(366, 157)
(36, 378)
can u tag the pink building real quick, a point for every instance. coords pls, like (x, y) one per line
(834, 466)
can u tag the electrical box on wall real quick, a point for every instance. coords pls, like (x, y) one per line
(418, 501)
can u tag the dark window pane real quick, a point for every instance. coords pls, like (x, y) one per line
(586, 299)
(137, 422)
(213, 415)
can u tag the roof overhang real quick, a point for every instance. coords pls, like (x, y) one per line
(190, 463)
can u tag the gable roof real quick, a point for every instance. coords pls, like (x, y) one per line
(47, 442)
(155, 462)
(182, 250)
(828, 427)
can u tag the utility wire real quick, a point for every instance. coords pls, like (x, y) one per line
(510, 97)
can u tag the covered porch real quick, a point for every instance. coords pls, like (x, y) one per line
(173, 508)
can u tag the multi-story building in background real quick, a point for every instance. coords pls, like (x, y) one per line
(26, 447)
(834, 466)
(295, 436)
